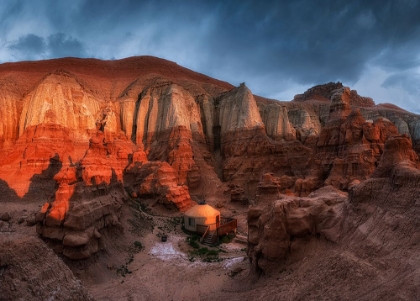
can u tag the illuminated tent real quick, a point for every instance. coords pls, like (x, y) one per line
(200, 216)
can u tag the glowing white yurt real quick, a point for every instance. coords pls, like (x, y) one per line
(201, 216)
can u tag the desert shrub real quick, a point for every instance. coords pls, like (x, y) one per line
(205, 254)
(227, 238)
(202, 251)
(193, 243)
(213, 253)
(138, 244)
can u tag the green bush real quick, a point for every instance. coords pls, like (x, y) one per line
(205, 254)
(203, 251)
(212, 253)
(193, 241)
(225, 239)
(195, 237)
(194, 244)
(138, 244)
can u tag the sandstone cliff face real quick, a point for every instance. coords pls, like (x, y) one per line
(184, 118)
(306, 124)
(157, 181)
(37, 156)
(405, 122)
(352, 150)
(276, 121)
(248, 151)
(88, 199)
(349, 147)
(238, 111)
(78, 134)
(60, 99)
(375, 228)
(8, 117)
(371, 236)
(164, 108)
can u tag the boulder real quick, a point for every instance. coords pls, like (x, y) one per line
(273, 227)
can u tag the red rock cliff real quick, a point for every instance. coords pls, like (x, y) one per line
(80, 133)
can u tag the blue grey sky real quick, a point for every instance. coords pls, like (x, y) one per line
(278, 48)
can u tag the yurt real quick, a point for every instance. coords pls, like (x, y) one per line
(200, 216)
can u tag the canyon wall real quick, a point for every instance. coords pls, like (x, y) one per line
(370, 235)
(83, 136)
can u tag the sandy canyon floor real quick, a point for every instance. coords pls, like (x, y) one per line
(171, 270)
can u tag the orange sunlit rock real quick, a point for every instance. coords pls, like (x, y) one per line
(80, 134)
(159, 180)
(45, 208)
(60, 206)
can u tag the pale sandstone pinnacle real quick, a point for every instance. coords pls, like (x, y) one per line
(8, 117)
(60, 99)
(238, 110)
(209, 116)
(306, 125)
(127, 112)
(165, 108)
(277, 123)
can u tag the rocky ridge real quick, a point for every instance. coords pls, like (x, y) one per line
(375, 228)
(31, 271)
(85, 135)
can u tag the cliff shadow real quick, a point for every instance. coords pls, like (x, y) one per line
(7, 194)
(43, 185)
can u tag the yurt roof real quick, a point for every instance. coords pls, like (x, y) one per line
(204, 210)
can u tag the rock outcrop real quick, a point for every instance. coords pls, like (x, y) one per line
(38, 154)
(31, 271)
(8, 117)
(238, 111)
(370, 236)
(350, 149)
(306, 124)
(273, 228)
(326, 92)
(79, 134)
(88, 199)
(208, 132)
(276, 121)
(157, 181)
(61, 99)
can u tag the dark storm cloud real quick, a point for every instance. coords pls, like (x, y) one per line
(29, 46)
(60, 45)
(309, 41)
(409, 81)
(273, 46)
(57, 45)
(315, 41)
(399, 57)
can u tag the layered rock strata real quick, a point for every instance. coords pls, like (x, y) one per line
(31, 271)
(88, 199)
(374, 226)
(73, 131)
(273, 228)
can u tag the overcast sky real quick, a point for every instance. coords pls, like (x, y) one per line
(278, 48)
